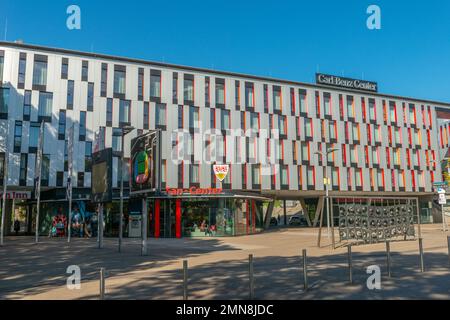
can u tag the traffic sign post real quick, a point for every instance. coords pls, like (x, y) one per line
(442, 201)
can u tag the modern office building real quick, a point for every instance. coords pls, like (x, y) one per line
(269, 132)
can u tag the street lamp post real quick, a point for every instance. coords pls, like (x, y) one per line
(125, 130)
(320, 153)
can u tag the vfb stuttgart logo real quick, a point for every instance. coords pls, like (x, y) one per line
(221, 171)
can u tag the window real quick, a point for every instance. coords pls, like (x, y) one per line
(266, 98)
(90, 97)
(2, 166)
(358, 178)
(64, 68)
(181, 116)
(225, 120)
(212, 119)
(88, 156)
(59, 178)
(62, 125)
(124, 112)
(34, 137)
(2, 62)
(284, 175)
(292, 100)
(308, 128)
(254, 121)
(4, 101)
(355, 132)
(277, 98)
(175, 88)
(160, 117)
(117, 140)
(353, 154)
(375, 156)
(412, 113)
(256, 174)
(372, 111)
(396, 154)
(23, 169)
(194, 117)
(249, 95)
(146, 115)
(164, 171)
(237, 93)
(40, 72)
(416, 161)
(188, 89)
(335, 177)
(194, 173)
(397, 135)
(220, 91)
(45, 106)
(22, 69)
(377, 133)
(82, 132)
(45, 173)
(155, 84)
(141, 84)
(104, 80)
(80, 180)
(304, 151)
(392, 112)
(310, 176)
(332, 130)
(27, 105)
(109, 112)
(70, 93)
(17, 136)
(350, 107)
(282, 125)
(302, 101)
(207, 91)
(327, 104)
(119, 80)
(84, 70)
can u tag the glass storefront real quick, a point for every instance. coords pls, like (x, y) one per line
(203, 217)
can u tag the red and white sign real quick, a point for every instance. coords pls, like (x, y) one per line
(221, 171)
(193, 191)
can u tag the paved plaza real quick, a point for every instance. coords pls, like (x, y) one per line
(218, 268)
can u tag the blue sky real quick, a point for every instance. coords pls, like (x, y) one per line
(292, 40)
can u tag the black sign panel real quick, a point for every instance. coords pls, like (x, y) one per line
(101, 181)
(347, 83)
(145, 163)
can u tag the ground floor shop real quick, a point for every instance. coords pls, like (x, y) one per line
(205, 216)
(168, 215)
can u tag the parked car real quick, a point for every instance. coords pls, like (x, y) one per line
(297, 220)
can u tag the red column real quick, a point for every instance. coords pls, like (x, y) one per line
(253, 215)
(178, 218)
(157, 212)
(248, 214)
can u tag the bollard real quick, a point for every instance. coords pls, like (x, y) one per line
(305, 272)
(185, 280)
(102, 283)
(422, 268)
(448, 244)
(251, 278)
(350, 264)
(388, 257)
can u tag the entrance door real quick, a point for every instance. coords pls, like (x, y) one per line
(167, 220)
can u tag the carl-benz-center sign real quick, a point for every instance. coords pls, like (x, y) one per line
(346, 82)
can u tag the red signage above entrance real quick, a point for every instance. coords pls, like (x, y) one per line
(193, 191)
